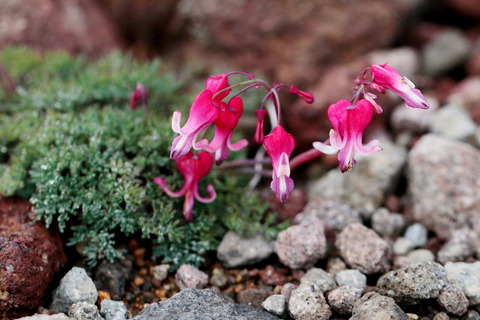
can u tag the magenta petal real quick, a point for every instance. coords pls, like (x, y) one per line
(282, 187)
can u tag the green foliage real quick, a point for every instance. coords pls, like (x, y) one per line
(70, 143)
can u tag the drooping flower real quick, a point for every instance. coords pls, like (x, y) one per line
(192, 167)
(346, 135)
(386, 77)
(306, 96)
(225, 123)
(202, 114)
(279, 146)
(138, 97)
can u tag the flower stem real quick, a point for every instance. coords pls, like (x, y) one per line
(304, 157)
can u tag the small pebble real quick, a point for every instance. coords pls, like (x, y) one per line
(218, 278)
(190, 277)
(84, 311)
(386, 223)
(343, 298)
(441, 316)
(466, 276)
(253, 297)
(113, 310)
(403, 246)
(453, 300)
(420, 255)
(335, 264)
(324, 280)
(276, 304)
(160, 272)
(417, 234)
(287, 289)
(352, 278)
(373, 306)
(307, 302)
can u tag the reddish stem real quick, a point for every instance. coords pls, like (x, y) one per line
(304, 157)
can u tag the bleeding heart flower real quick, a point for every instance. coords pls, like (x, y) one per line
(346, 136)
(279, 146)
(138, 97)
(192, 167)
(386, 77)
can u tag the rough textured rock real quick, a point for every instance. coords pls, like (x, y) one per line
(443, 184)
(78, 26)
(194, 304)
(235, 251)
(378, 307)
(322, 279)
(386, 223)
(417, 281)
(453, 121)
(190, 277)
(352, 278)
(276, 304)
(271, 36)
(334, 215)
(466, 276)
(300, 246)
(365, 186)
(453, 300)
(343, 298)
(307, 303)
(446, 50)
(363, 249)
(30, 255)
(84, 311)
(113, 310)
(457, 248)
(37, 316)
(75, 286)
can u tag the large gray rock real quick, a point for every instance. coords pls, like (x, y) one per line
(415, 282)
(363, 249)
(308, 303)
(363, 188)
(75, 286)
(201, 304)
(236, 251)
(300, 246)
(443, 184)
(466, 276)
(375, 306)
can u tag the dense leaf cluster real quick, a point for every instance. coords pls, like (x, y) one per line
(69, 142)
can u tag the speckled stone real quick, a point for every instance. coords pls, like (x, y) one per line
(457, 248)
(300, 246)
(415, 282)
(236, 251)
(188, 276)
(443, 185)
(352, 278)
(324, 280)
(276, 304)
(342, 299)
(375, 306)
(466, 276)
(417, 234)
(84, 311)
(453, 300)
(386, 223)
(363, 249)
(308, 303)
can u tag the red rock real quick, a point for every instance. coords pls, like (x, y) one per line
(78, 26)
(30, 255)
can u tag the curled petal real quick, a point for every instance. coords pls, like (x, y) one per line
(176, 119)
(370, 97)
(211, 195)
(163, 185)
(324, 148)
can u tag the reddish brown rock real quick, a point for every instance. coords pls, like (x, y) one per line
(29, 256)
(78, 26)
(290, 41)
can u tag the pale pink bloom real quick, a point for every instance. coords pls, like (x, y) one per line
(346, 135)
(279, 146)
(192, 167)
(386, 77)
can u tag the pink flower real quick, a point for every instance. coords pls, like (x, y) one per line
(203, 113)
(139, 96)
(306, 96)
(192, 167)
(386, 77)
(279, 145)
(224, 125)
(346, 135)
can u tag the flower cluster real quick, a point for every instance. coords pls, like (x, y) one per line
(219, 107)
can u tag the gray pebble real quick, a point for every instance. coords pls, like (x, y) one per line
(324, 280)
(466, 276)
(218, 278)
(417, 281)
(160, 272)
(403, 246)
(457, 248)
(276, 304)
(38, 316)
(471, 315)
(420, 255)
(343, 298)
(417, 234)
(308, 303)
(236, 251)
(386, 223)
(113, 310)
(75, 286)
(441, 316)
(352, 278)
(453, 121)
(84, 311)
(375, 306)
